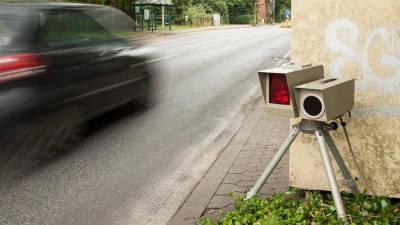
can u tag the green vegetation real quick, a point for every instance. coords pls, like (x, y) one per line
(280, 7)
(179, 27)
(286, 25)
(241, 19)
(286, 208)
(200, 11)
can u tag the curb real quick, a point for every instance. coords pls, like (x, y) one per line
(146, 34)
(194, 206)
(196, 203)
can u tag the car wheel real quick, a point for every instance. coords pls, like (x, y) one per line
(142, 100)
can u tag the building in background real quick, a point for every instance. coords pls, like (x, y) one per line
(262, 12)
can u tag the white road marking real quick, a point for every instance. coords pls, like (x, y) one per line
(266, 32)
(208, 46)
(244, 37)
(273, 31)
(150, 61)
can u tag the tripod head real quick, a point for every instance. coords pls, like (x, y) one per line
(310, 126)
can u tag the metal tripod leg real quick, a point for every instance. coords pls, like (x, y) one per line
(337, 198)
(339, 160)
(274, 162)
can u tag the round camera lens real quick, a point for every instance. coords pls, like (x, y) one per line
(312, 106)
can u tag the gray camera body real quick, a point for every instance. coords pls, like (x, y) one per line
(300, 90)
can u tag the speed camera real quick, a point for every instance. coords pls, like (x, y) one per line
(277, 86)
(300, 90)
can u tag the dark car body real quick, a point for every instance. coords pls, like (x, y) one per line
(60, 65)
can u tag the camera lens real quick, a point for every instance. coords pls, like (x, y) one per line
(312, 106)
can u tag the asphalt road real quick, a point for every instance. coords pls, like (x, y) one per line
(140, 166)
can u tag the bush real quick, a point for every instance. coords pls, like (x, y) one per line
(270, 21)
(242, 19)
(197, 16)
(286, 25)
(285, 208)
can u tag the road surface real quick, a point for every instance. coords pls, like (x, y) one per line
(140, 166)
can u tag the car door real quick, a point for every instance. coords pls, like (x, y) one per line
(86, 68)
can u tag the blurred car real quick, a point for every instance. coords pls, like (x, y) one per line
(62, 64)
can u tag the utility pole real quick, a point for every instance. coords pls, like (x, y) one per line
(273, 10)
(255, 13)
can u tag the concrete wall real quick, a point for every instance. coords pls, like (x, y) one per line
(361, 40)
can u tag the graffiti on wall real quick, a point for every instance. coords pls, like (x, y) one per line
(348, 54)
(389, 84)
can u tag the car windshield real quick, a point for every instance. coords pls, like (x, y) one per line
(114, 21)
(70, 24)
(60, 27)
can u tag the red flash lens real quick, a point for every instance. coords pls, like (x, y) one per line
(278, 89)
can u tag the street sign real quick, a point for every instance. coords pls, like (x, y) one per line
(146, 14)
(287, 11)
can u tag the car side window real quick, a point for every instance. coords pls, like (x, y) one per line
(8, 25)
(5, 33)
(70, 28)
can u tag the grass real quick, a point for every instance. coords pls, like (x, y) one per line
(131, 33)
(177, 27)
(286, 25)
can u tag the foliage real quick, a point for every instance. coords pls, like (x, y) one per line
(198, 16)
(239, 7)
(241, 19)
(214, 6)
(280, 7)
(233, 11)
(179, 9)
(286, 25)
(285, 208)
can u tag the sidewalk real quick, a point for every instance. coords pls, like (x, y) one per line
(145, 34)
(222, 27)
(239, 166)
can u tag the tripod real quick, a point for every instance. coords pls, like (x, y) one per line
(321, 131)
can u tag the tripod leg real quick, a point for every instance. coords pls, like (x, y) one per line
(337, 198)
(339, 160)
(274, 162)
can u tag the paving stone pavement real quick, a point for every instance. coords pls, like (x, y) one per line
(239, 166)
(266, 138)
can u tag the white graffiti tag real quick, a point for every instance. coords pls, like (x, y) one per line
(387, 84)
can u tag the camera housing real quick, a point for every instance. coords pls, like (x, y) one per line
(300, 90)
(277, 86)
(325, 99)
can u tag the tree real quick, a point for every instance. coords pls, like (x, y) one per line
(280, 7)
(179, 9)
(241, 11)
(240, 7)
(214, 6)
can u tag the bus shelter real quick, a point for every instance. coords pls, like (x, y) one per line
(149, 13)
